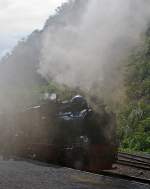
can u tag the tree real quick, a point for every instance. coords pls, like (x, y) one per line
(134, 121)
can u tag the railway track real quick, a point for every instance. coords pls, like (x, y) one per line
(135, 161)
(137, 158)
(125, 177)
(130, 160)
(134, 164)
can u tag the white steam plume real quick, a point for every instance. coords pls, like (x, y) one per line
(86, 53)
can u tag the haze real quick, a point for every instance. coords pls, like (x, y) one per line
(19, 18)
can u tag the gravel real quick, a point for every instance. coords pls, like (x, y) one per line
(36, 175)
(131, 171)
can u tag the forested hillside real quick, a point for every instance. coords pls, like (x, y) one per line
(134, 120)
(20, 83)
(18, 76)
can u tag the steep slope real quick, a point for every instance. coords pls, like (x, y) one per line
(134, 120)
(19, 78)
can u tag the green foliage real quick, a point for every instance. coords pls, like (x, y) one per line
(134, 120)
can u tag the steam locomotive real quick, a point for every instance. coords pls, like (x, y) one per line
(69, 133)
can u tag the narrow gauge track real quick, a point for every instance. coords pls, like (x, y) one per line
(134, 157)
(125, 177)
(134, 164)
(136, 161)
(131, 160)
(120, 157)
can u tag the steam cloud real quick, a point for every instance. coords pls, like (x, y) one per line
(85, 54)
(84, 45)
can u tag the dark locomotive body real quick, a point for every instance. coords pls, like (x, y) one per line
(67, 133)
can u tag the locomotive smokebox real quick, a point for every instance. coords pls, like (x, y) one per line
(68, 132)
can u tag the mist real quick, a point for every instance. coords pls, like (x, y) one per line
(88, 54)
(84, 45)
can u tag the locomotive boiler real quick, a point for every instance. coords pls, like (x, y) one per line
(69, 133)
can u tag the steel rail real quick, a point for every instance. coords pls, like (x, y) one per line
(125, 177)
(135, 161)
(133, 164)
(130, 159)
(134, 156)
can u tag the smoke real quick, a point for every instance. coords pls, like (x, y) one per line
(83, 46)
(19, 80)
(88, 54)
